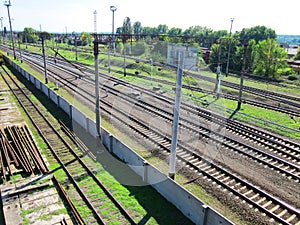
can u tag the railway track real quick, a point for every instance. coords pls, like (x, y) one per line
(285, 216)
(286, 110)
(276, 107)
(285, 155)
(70, 160)
(271, 206)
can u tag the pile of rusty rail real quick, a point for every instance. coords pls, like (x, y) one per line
(19, 152)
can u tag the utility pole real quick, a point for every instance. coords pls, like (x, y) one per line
(44, 56)
(219, 72)
(97, 104)
(19, 37)
(76, 51)
(124, 64)
(242, 77)
(113, 9)
(176, 116)
(7, 4)
(227, 66)
(108, 55)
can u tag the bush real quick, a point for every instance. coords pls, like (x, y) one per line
(285, 71)
(292, 77)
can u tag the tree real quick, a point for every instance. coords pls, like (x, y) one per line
(29, 35)
(137, 28)
(258, 33)
(126, 28)
(86, 38)
(269, 58)
(175, 31)
(162, 29)
(149, 31)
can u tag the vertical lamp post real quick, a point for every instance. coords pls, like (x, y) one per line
(231, 20)
(7, 4)
(113, 9)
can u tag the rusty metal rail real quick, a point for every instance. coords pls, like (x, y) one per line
(18, 152)
(63, 193)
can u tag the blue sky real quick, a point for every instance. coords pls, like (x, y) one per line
(77, 15)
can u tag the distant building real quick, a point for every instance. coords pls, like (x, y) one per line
(290, 49)
(190, 56)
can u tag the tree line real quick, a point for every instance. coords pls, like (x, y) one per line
(264, 56)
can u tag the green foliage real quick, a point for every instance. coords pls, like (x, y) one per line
(269, 58)
(127, 28)
(175, 31)
(137, 28)
(86, 38)
(286, 71)
(258, 33)
(29, 35)
(139, 48)
(159, 51)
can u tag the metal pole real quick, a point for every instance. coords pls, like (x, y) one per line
(97, 105)
(108, 56)
(176, 117)
(124, 55)
(76, 48)
(45, 64)
(11, 33)
(219, 69)
(242, 77)
(227, 66)
(20, 48)
(113, 9)
(113, 31)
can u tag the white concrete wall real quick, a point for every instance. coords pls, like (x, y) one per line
(53, 96)
(32, 78)
(79, 117)
(64, 105)
(27, 76)
(91, 127)
(44, 88)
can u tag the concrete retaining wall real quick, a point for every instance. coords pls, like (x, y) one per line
(64, 105)
(187, 203)
(53, 96)
(91, 127)
(79, 118)
(32, 79)
(44, 89)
